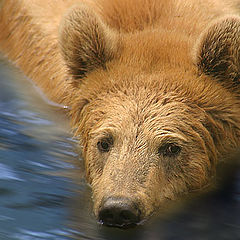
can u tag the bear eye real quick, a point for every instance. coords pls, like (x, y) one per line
(105, 144)
(169, 150)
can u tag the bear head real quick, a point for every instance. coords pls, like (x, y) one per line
(153, 122)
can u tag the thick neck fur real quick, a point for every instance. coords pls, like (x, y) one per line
(35, 23)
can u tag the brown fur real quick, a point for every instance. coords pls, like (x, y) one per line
(130, 79)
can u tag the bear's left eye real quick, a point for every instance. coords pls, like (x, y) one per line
(105, 144)
(169, 150)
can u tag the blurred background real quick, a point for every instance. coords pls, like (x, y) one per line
(43, 194)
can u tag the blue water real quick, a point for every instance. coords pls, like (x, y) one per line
(43, 194)
(36, 155)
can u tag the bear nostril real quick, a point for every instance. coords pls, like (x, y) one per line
(119, 212)
(106, 216)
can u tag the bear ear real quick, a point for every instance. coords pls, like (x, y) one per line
(218, 51)
(86, 42)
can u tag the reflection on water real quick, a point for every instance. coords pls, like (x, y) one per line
(43, 194)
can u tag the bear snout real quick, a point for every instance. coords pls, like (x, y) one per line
(119, 212)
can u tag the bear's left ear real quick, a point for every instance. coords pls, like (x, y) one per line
(86, 42)
(218, 51)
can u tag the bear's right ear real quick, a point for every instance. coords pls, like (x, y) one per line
(86, 42)
(218, 51)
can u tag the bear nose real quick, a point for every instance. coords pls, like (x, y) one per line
(119, 212)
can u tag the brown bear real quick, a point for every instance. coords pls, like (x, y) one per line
(151, 86)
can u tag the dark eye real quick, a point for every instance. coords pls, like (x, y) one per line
(169, 150)
(105, 144)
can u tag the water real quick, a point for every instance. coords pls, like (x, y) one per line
(43, 194)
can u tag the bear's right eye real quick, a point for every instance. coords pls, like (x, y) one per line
(105, 144)
(170, 150)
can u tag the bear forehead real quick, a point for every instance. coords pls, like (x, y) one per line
(156, 117)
